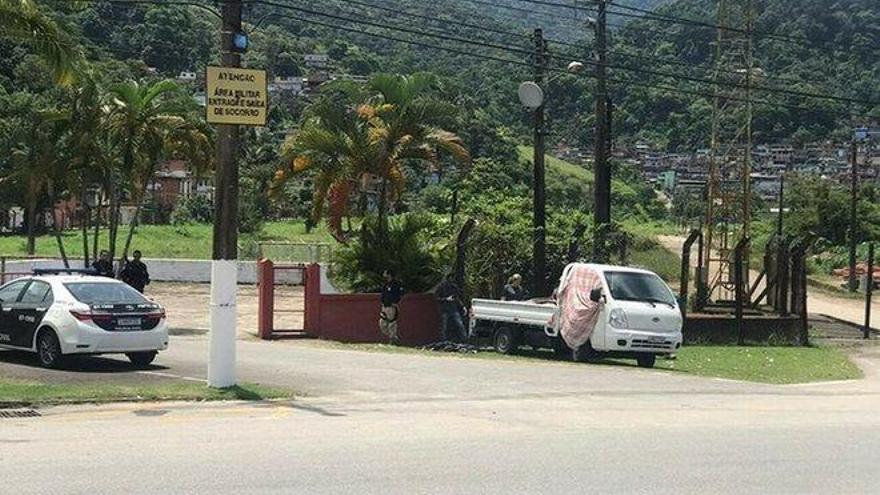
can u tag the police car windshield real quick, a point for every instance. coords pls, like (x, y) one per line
(104, 293)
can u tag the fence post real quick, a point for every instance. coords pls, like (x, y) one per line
(2, 270)
(869, 290)
(739, 293)
(685, 272)
(265, 298)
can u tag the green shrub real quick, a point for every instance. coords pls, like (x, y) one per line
(414, 246)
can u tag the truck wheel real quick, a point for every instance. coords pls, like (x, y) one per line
(561, 349)
(506, 340)
(646, 360)
(585, 353)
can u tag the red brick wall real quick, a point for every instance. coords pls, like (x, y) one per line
(355, 317)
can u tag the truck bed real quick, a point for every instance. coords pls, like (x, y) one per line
(519, 312)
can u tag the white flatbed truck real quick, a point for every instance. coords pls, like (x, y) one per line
(638, 318)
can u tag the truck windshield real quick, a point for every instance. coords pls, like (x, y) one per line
(631, 286)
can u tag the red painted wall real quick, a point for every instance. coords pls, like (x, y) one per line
(355, 317)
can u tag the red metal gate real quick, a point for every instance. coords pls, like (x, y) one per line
(266, 280)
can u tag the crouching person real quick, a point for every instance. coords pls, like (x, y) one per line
(392, 293)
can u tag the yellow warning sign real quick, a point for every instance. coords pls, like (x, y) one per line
(236, 96)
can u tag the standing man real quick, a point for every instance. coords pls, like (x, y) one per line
(392, 293)
(104, 265)
(135, 273)
(449, 298)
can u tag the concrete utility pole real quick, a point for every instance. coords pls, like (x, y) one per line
(601, 169)
(853, 281)
(539, 246)
(224, 267)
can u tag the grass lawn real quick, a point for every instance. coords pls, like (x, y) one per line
(36, 393)
(169, 241)
(775, 365)
(779, 365)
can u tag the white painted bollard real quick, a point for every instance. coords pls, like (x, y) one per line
(224, 319)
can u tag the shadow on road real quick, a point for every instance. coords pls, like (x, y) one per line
(79, 364)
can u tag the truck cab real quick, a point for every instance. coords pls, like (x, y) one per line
(596, 311)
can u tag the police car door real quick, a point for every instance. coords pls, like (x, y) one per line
(8, 316)
(31, 308)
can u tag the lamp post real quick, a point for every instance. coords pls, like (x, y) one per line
(531, 96)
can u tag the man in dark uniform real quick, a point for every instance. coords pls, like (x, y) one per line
(392, 293)
(449, 298)
(514, 291)
(104, 265)
(135, 273)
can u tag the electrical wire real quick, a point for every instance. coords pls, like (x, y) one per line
(509, 49)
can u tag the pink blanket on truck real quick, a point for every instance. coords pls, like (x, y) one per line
(578, 314)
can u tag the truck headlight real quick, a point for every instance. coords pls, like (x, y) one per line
(617, 318)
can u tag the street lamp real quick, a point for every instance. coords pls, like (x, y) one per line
(531, 96)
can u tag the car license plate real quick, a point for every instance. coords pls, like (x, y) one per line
(128, 322)
(656, 338)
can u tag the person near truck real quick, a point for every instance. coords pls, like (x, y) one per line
(449, 298)
(135, 273)
(104, 265)
(392, 293)
(514, 291)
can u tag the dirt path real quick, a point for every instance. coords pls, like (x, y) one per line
(818, 301)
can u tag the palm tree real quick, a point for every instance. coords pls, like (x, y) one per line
(38, 168)
(343, 139)
(147, 124)
(23, 21)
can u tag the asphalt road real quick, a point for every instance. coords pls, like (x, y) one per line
(397, 423)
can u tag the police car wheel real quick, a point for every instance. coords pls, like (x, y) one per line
(49, 349)
(141, 359)
(646, 360)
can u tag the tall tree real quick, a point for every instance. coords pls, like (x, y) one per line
(352, 135)
(148, 123)
(24, 21)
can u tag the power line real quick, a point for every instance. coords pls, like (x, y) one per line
(646, 14)
(525, 64)
(510, 49)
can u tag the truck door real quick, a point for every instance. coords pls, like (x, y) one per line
(9, 296)
(32, 307)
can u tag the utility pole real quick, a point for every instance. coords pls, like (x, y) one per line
(224, 267)
(852, 283)
(539, 247)
(601, 169)
(780, 215)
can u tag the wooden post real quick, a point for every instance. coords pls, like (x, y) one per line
(265, 298)
(869, 290)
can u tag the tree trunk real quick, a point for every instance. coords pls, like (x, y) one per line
(31, 226)
(383, 205)
(32, 216)
(134, 219)
(55, 230)
(97, 234)
(85, 217)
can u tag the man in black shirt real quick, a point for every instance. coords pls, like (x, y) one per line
(104, 265)
(449, 298)
(392, 293)
(135, 273)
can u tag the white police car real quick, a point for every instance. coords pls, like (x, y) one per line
(55, 315)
